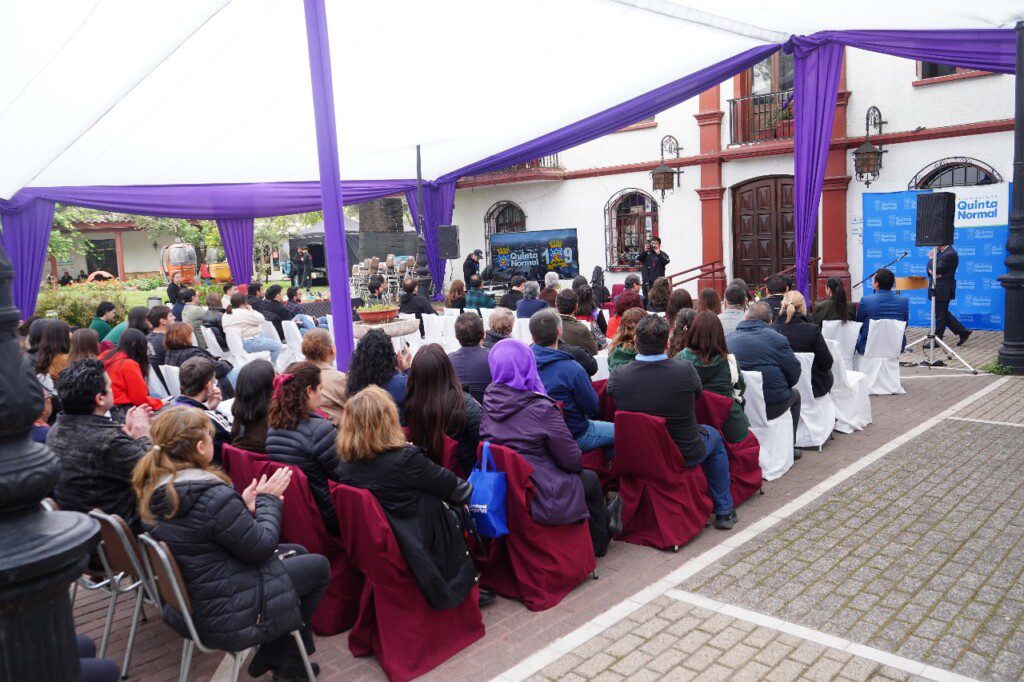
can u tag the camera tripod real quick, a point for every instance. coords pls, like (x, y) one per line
(929, 340)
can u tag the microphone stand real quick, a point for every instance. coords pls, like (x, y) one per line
(930, 337)
(892, 262)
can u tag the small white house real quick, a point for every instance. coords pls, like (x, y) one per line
(119, 248)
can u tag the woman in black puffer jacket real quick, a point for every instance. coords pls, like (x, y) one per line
(178, 348)
(243, 595)
(301, 437)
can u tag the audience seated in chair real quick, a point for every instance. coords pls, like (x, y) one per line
(520, 415)
(549, 293)
(198, 379)
(375, 362)
(178, 349)
(805, 337)
(623, 302)
(530, 303)
(413, 492)
(240, 315)
(410, 302)
(318, 347)
(734, 307)
(226, 545)
(759, 348)
(499, 326)
(514, 293)
(127, 366)
(96, 454)
(251, 406)
(656, 385)
(159, 320)
(574, 332)
(834, 306)
(437, 406)
(622, 349)
(301, 437)
(777, 286)
(566, 382)
(884, 304)
(470, 361)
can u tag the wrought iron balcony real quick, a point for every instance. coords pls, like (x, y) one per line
(761, 118)
(545, 162)
(545, 169)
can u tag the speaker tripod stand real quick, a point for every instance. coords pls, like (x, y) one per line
(929, 340)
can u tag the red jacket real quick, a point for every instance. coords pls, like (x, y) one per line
(128, 383)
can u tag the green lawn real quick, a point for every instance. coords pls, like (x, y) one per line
(137, 298)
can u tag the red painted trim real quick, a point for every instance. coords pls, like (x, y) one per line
(530, 175)
(642, 125)
(951, 77)
(707, 118)
(710, 193)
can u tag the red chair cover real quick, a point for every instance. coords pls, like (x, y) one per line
(301, 524)
(395, 623)
(744, 457)
(535, 564)
(596, 462)
(449, 458)
(664, 503)
(604, 399)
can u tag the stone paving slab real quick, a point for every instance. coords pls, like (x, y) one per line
(672, 640)
(981, 349)
(919, 555)
(1005, 404)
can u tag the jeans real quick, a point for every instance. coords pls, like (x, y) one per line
(304, 323)
(322, 323)
(232, 376)
(599, 435)
(260, 343)
(716, 470)
(776, 410)
(309, 574)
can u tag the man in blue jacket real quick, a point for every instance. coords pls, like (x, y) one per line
(884, 304)
(759, 348)
(567, 383)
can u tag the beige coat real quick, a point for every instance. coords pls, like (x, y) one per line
(334, 385)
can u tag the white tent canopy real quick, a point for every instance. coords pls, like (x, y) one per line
(152, 92)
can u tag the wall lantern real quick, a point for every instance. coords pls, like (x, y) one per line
(867, 158)
(664, 178)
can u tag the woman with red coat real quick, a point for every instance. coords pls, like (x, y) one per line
(124, 365)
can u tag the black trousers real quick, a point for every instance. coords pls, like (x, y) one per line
(775, 410)
(944, 318)
(598, 511)
(310, 574)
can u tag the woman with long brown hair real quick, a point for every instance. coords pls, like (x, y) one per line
(677, 336)
(679, 300)
(52, 354)
(719, 372)
(708, 299)
(657, 297)
(127, 366)
(436, 406)
(456, 297)
(85, 345)
(413, 492)
(242, 594)
(299, 436)
(622, 349)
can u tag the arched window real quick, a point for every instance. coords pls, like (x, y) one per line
(631, 216)
(955, 171)
(505, 216)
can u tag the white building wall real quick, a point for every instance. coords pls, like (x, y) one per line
(139, 254)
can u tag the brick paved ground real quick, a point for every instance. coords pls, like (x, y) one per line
(980, 350)
(514, 634)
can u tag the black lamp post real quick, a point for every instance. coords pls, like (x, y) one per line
(665, 179)
(40, 552)
(1011, 354)
(867, 158)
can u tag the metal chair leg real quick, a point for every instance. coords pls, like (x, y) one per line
(186, 659)
(131, 633)
(236, 665)
(114, 594)
(74, 592)
(303, 654)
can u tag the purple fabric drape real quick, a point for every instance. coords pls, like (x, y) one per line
(26, 237)
(330, 178)
(207, 202)
(236, 234)
(985, 49)
(816, 68)
(438, 207)
(619, 116)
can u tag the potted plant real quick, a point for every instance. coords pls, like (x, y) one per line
(377, 314)
(784, 123)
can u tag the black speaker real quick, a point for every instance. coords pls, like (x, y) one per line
(935, 218)
(448, 241)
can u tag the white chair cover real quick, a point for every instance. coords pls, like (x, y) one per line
(212, 344)
(817, 415)
(170, 375)
(450, 343)
(602, 366)
(881, 359)
(775, 436)
(452, 312)
(846, 335)
(237, 354)
(156, 388)
(485, 314)
(849, 394)
(293, 340)
(433, 326)
(522, 330)
(225, 409)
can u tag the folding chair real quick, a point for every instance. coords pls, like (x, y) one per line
(451, 343)
(602, 366)
(122, 563)
(849, 393)
(433, 329)
(881, 359)
(846, 334)
(238, 356)
(162, 571)
(535, 564)
(212, 344)
(745, 477)
(775, 436)
(521, 330)
(293, 341)
(171, 379)
(395, 622)
(665, 504)
(817, 415)
(155, 384)
(452, 312)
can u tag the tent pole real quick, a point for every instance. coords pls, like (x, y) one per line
(330, 178)
(1011, 354)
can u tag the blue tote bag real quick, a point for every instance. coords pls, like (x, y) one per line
(487, 503)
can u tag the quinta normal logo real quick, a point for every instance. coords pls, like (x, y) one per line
(981, 206)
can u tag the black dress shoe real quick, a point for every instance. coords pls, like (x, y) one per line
(486, 597)
(725, 521)
(963, 338)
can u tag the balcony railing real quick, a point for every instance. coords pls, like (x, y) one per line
(761, 118)
(550, 162)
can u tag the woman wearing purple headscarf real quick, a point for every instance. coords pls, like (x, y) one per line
(519, 415)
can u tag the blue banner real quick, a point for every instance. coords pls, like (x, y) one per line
(981, 221)
(533, 254)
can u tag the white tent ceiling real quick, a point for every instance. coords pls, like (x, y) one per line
(109, 92)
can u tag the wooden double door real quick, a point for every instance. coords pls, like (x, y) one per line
(763, 232)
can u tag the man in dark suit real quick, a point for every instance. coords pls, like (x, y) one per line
(652, 261)
(655, 384)
(943, 287)
(884, 304)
